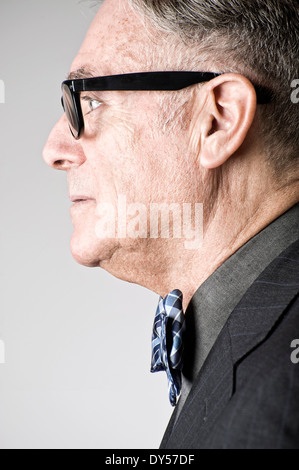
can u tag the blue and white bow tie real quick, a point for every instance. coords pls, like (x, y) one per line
(167, 341)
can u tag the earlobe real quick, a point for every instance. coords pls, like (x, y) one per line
(224, 120)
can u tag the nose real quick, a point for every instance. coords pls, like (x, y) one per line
(62, 151)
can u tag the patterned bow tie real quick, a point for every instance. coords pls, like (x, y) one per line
(167, 341)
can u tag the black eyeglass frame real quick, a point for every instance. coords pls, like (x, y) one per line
(144, 81)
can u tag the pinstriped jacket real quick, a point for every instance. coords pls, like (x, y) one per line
(247, 392)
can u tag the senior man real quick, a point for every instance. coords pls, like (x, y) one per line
(189, 102)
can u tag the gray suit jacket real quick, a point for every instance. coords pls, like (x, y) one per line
(247, 392)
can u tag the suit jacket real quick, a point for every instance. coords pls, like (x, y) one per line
(247, 392)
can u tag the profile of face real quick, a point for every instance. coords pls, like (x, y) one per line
(124, 150)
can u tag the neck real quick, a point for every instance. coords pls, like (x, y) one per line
(165, 265)
(228, 231)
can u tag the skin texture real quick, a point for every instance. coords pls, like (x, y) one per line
(210, 153)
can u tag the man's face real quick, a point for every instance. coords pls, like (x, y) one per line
(123, 150)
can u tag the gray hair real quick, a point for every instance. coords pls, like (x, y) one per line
(258, 38)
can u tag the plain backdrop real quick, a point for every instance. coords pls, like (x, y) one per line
(77, 340)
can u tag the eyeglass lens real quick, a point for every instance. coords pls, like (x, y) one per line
(70, 111)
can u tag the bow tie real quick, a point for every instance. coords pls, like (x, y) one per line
(167, 341)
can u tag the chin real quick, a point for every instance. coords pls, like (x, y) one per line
(90, 252)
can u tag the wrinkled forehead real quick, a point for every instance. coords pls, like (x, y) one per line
(116, 42)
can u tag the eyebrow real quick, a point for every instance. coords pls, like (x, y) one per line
(82, 72)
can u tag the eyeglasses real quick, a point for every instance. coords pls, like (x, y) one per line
(145, 81)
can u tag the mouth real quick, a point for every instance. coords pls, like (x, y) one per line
(77, 199)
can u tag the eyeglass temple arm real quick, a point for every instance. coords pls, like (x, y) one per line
(154, 81)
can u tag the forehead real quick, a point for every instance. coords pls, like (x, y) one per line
(116, 42)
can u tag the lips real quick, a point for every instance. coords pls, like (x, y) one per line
(80, 198)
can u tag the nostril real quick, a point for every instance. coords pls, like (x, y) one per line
(59, 164)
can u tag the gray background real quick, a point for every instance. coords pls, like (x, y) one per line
(77, 341)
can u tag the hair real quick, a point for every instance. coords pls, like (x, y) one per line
(258, 38)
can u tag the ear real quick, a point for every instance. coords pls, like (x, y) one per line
(224, 110)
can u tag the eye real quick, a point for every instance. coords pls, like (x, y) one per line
(94, 104)
(89, 104)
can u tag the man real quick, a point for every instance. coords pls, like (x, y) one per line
(226, 139)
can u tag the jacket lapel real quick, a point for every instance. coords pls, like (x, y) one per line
(249, 325)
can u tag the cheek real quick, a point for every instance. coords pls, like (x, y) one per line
(134, 156)
(161, 164)
(115, 160)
